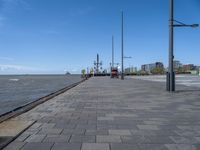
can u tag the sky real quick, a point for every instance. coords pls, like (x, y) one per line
(55, 36)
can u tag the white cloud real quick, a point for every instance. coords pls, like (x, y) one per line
(14, 68)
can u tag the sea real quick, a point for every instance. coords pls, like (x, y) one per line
(18, 90)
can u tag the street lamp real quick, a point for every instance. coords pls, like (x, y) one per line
(112, 64)
(126, 57)
(170, 74)
(122, 74)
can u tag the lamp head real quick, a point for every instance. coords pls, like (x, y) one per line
(195, 25)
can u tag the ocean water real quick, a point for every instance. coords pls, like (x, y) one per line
(17, 90)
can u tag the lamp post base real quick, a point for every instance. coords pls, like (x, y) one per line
(168, 78)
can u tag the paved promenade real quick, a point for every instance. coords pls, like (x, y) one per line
(110, 114)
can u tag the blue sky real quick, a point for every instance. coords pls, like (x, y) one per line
(50, 36)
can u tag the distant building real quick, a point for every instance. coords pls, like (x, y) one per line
(149, 67)
(177, 64)
(159, 65)
(189, 67)
(130, 70)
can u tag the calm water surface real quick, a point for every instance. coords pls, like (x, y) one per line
(21, 89)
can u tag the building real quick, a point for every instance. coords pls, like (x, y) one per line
(150, 67)
(130, 70)
(177, 64)
(189, 67)
(159, 65)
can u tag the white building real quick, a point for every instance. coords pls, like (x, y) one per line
(130, 70)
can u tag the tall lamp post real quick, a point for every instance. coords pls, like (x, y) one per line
(112, 64)
(122, 74)
(170, 74)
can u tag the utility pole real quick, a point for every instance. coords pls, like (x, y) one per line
(171, 74)
(122, 74)
(112, 51)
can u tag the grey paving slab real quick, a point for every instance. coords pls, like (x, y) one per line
(152, 147)
(136, 139)
(37, 146)
(180, 147)
(117, 146)
(96, 132)
(148, 127)
(57, 138)
(15, 146)
(74, 131)
(66, 146)
(50, 131)
(104, 113)
(95, 146)
(108, 139)
(119, 132)
(184, 140)
(82, 139)
(22, 137)
(35, 138)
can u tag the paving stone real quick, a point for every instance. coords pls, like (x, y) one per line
(196, 140)
(73, 131)
(197, 146)
(135, 139)
(117, 146)
(161, 140)
(66, 146)
(148, 127)
(183, 140)
(82, 139)
(15, 146)
(56, 138)
(187, 133)
(86, 126)
(121, 115)
(119, 132)
(95, 146)
(180, 147)
(105, 118)
(152, 147)
(96, 132)
(153, 132)
(32, 131)
(50, 131)
(35, 138)
(108, 139)
(126, 127)
(36, 125)
(37, 146)
(65, 126)
(22, 137)
(47, 125)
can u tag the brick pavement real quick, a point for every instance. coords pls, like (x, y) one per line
(110, 114)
